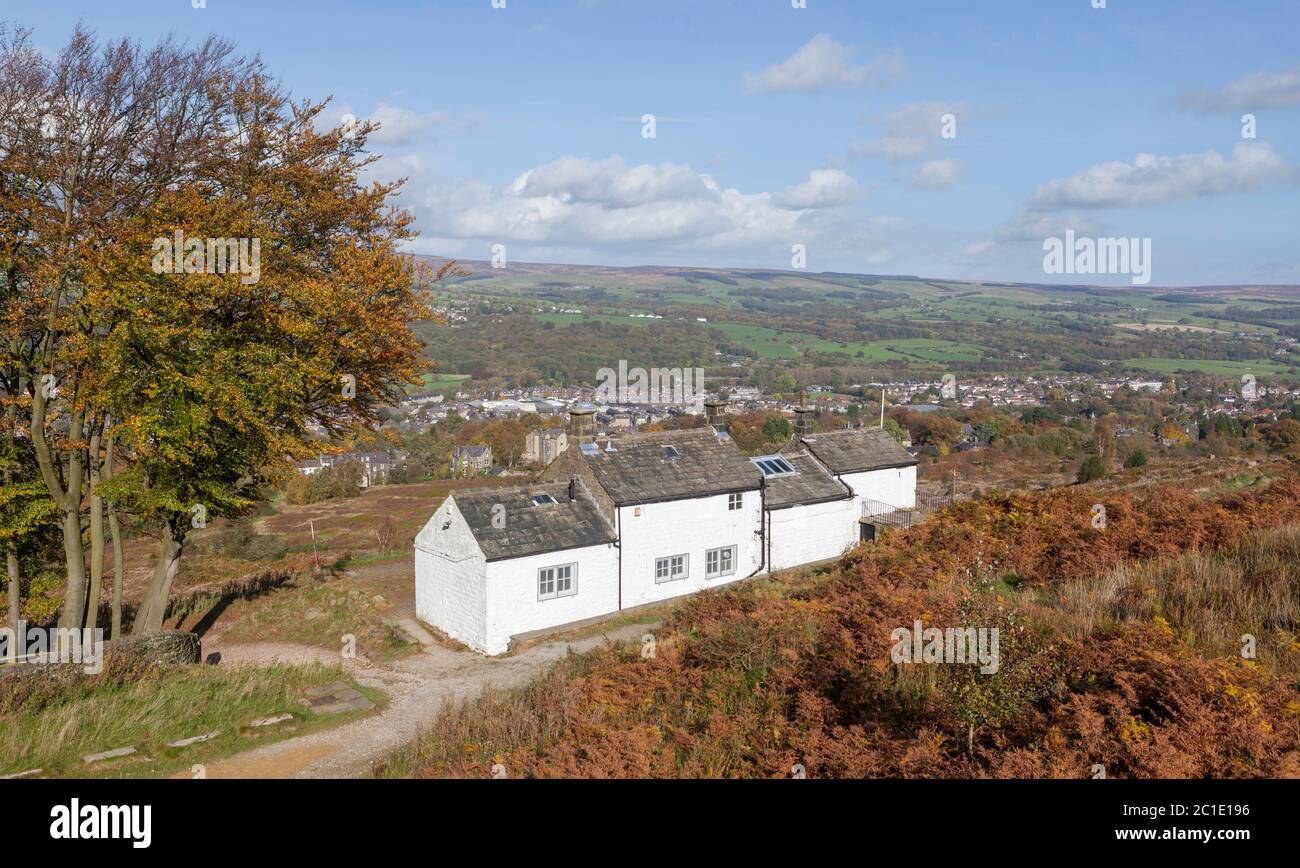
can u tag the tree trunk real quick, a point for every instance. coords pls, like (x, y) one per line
(74, 598)
(11, 554)
(115, 535)
(15, 594)
(154, 606)
(12, 571)
(96, 536)
(119, 570)
(69, 502)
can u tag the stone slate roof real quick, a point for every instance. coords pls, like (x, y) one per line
(857, 450)
(531, 529)
(812, 484)
(639, 471)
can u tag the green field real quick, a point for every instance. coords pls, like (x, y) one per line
(437, 382)
(1217, 367)
(770, 343)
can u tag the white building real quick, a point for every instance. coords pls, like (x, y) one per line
(644, 519)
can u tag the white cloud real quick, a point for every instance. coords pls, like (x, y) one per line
(823, 64)
(1260, 90)
(399, 126)
(825, 188)
(912, 131)
(1034, 227)
(1154, 180)
(396, 125)
(938, 174)
(578, 203)
(612, 184)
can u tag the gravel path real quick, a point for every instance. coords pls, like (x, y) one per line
(416, 686)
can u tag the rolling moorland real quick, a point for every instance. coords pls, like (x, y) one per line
(521, 324)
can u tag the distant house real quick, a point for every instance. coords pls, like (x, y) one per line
(544, 445)
(375, 466)
(471, 460)
(1177, 433)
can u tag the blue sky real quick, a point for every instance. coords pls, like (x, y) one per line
(818, 126)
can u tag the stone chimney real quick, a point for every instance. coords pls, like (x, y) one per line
(803, 418)
(715, 411)
(582, 424)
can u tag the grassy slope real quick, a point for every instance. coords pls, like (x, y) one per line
(52, 725)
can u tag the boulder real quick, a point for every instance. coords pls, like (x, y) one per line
(167, 647)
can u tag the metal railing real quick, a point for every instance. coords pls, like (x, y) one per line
(888, 515)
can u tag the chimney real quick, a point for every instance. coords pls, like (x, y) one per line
(582, 424)
(715, 412)
(803, 418)
(573, 489)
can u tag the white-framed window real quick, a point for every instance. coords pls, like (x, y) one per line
(557, 581)
(720, 562)
(671, 568)
(736, 500)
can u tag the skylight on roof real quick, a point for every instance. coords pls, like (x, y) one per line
(590, 449)
(774, 465)
(671, 452)
(543, 499)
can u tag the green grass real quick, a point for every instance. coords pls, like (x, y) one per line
(766, 343)
(1210, 366)
(771, 343)
(437, 382)
(568, 319)
(312, 611)
(58, 722)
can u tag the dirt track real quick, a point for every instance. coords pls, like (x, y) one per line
(416, 686)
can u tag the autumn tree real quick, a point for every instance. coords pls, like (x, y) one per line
(201, 377)
(215, 376)
(88, 140)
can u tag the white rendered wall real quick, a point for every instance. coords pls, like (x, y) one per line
(816, 532)
(512, 604)
(895, 486)
(688, 527)
(451, 578)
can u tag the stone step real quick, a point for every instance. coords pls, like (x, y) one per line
(196, 739)
(108, 754)
(272, 721)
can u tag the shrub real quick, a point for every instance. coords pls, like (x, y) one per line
(1092, 469)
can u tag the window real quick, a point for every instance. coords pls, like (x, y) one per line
(670, 569)
(561, 581)
(543, 499)
(671, 452)
(774, 465)
(736, 500)
(720, 562)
